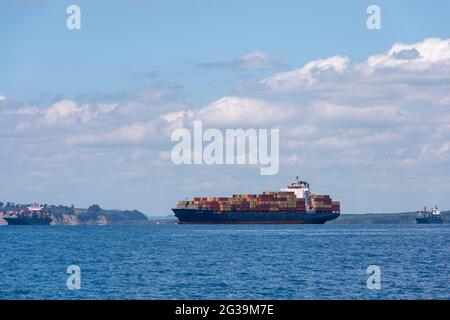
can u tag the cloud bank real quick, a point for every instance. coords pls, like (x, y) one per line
(376, 122)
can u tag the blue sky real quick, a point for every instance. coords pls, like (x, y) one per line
(136, 61)
(119, 38)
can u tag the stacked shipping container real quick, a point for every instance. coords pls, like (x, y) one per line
(267, 202)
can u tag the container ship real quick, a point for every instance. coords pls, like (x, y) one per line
(33, 215)
(294, 204)
(433, 216)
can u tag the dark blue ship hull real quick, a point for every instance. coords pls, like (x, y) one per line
(429, 220)
(27, 221)
(195, 216)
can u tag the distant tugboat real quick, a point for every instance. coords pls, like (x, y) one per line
(34, 215)
(433, 216)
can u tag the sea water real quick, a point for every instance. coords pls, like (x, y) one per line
(225, 262)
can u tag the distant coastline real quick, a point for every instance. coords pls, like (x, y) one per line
(95, 215)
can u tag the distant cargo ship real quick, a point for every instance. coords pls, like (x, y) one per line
(34, 215)
(294, 204)
(433, 216)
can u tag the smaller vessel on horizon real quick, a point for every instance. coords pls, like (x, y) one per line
(33, 215)
(433, 216)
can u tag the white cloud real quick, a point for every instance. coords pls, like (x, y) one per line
(2, 98)
(244, 111)
(435, 151)
(413, 74)
(28, 111)
(234, 111)
(136, 132)
(176, 116)
(307, 75)
(418, 56)
(258, 60)
(132, 133)
(61, 113)
(444, 149)
(67, 112)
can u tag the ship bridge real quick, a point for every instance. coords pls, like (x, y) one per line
(300, 188)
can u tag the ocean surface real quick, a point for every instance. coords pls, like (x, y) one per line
(225, 262)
